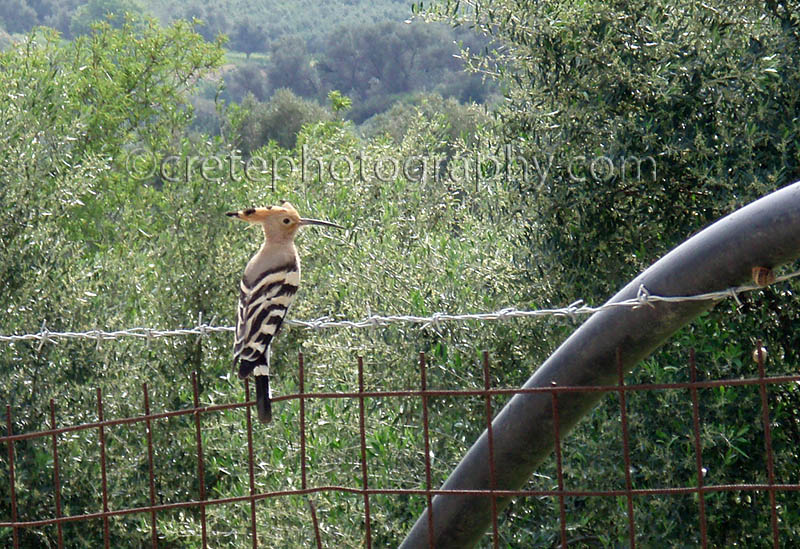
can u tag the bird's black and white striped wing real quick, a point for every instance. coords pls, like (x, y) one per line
(263, 304)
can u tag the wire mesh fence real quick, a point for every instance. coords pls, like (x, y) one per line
(107, 508)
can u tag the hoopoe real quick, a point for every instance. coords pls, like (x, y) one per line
(268, 288)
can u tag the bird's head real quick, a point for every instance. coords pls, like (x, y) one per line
(279, 222)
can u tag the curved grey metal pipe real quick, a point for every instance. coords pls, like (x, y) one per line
(765, 233)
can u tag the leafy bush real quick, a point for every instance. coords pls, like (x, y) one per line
(279, 119)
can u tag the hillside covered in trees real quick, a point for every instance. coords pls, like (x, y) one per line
(303, 18)
(367, 50)
(125, 141)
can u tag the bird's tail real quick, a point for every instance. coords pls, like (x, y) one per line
(263, 399)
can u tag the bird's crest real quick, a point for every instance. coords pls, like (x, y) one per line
(261, 215)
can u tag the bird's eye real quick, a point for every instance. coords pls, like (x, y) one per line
(286, 221)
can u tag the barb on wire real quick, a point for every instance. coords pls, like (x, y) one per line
(572, 311)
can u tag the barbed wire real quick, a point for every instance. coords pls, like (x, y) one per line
(578, 308)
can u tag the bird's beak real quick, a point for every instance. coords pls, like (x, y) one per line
(305, 221)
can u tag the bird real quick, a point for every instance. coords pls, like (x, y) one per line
(266, 291)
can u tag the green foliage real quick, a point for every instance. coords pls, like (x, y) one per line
(291, 66)
(248, 37)
(377, 64)
(381, 58)
(705, 91)
(70, 217)
(304, 18)
(279, 119)
(386, 59)
(5, 39)
(463, 122)
(115, 12)
(279, 19)
(339, 102)
(16, 16)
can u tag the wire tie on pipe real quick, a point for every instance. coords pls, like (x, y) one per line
(735, 295)
(643, 298)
